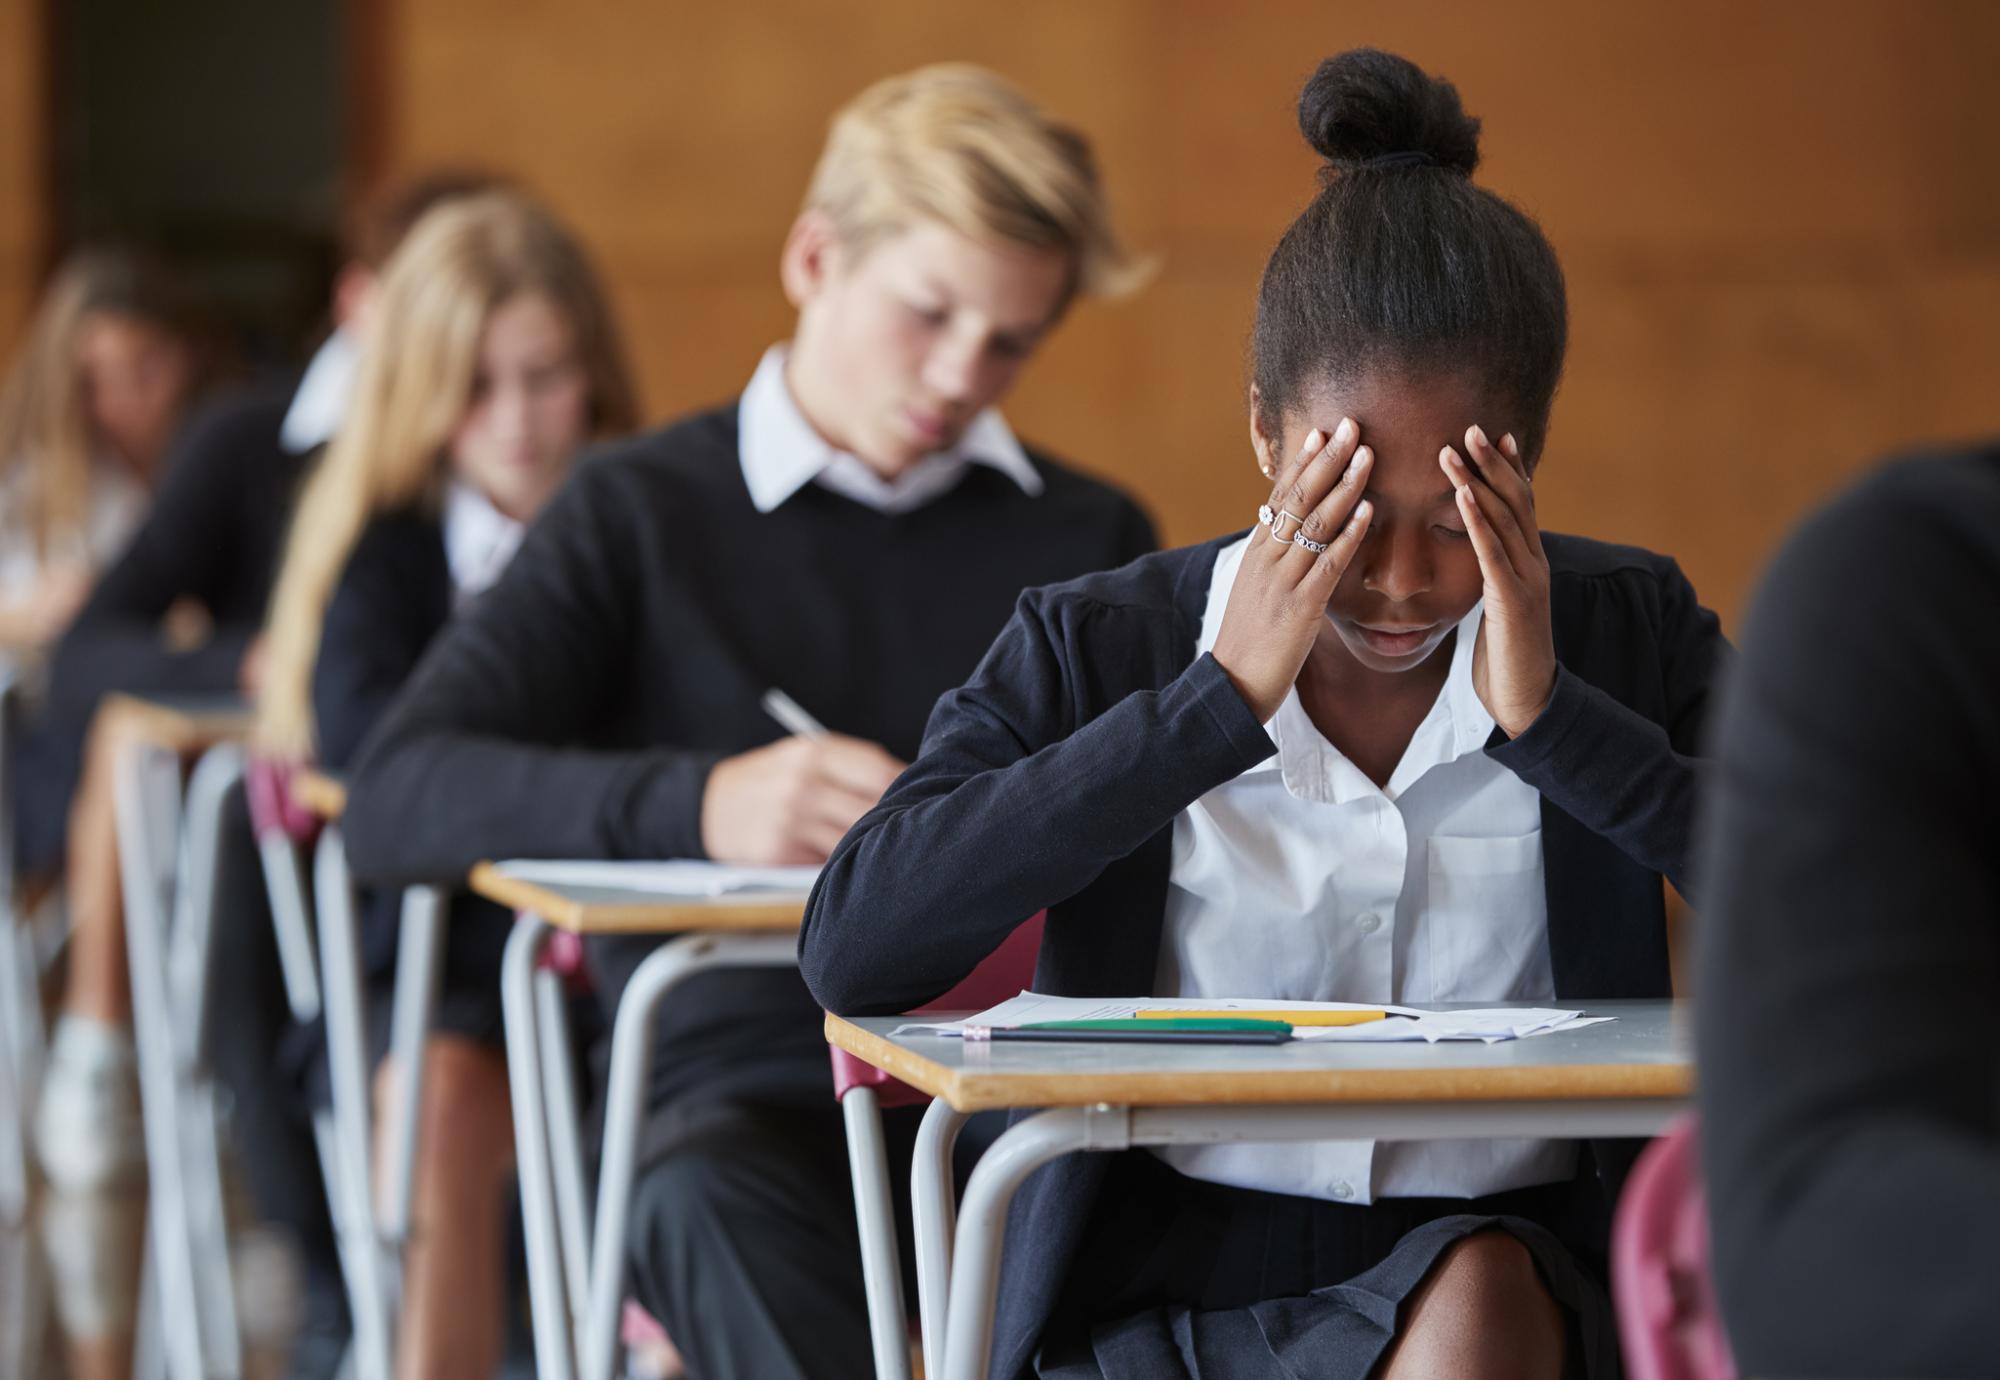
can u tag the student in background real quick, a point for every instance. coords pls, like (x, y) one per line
(1392, 744)
(853, 529)
(210, 544)
(114, 358)
(112, 361)
(490, 359)
(1849, 954)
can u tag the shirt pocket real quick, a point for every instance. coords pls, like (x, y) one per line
(1486, 920)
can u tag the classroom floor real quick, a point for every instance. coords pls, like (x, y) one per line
(69, 1279)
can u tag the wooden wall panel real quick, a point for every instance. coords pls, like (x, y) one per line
(1781, 222)
(22, 194)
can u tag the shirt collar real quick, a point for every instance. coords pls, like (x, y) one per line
(479, 539)
(1313, 769)
(321, 399)
(781, 453)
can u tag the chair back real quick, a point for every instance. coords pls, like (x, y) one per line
(1660, 1280)
(274, 810)
(999, 976)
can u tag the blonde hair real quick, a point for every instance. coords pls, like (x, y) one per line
(963, 146)
(419, 359)
(44, 414)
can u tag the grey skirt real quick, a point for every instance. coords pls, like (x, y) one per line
(1181, 1278)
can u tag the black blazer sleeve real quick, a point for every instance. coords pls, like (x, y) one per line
(1014, 804)
(1623, 775)
(476, 759)
(392, 598)
(1850, 951)
(186, 548)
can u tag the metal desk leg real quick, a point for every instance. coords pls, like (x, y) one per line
(555, 1358)
(291, 917)
(875, 1215)
(347, 1058)
(146, 796)
(420, 941)
(975, 1266)
(20, 992)
(934, 1215)
(21, 1047)
(625, 1098)
(190, 951)
(565, 1131)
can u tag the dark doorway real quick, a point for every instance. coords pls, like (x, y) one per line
(212, 129)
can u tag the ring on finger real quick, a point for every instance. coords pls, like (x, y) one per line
(1299, 538)
(1278, 532)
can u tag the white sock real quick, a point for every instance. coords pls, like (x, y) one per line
(85, 1043)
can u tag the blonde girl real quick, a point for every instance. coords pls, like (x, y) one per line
(489, 361)
(110, 363)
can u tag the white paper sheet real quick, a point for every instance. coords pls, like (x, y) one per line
(1489, 1025)
(686, 878)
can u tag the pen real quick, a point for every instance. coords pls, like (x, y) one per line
(1289, 1017)
(788, 712)
(1225, 1030)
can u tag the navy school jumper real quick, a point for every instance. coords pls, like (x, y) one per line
(1053, 778)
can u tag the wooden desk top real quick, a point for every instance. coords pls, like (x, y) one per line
(1642, 1054)
(613, 910)
(182, 724)
(324, 795)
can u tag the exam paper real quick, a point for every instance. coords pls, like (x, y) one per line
(1489, 1025)
(685, 878)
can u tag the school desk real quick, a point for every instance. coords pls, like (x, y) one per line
(326, 980)
(576, 1272)
(1626, 1077)
(169, 841)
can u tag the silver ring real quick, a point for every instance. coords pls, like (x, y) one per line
(1299, 538)
(1278, 525)
(1265, 517)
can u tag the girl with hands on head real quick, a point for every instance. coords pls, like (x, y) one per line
(1280, 597)
(1514, 663)
(1394, 743)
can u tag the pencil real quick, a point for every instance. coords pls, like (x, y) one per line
(788, 712)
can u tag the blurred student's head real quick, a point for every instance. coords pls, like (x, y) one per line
(490, 356)
(947, 227)
(115, 353)
(376, 227)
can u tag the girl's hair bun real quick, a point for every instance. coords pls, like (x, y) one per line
(1366, 104)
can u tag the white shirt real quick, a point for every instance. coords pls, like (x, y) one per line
(323, 394)
(1303, 880)
(114, 507)
(479, 540)
(781, 453)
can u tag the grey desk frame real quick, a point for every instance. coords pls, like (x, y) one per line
(576, 1271)
(1629, 1077)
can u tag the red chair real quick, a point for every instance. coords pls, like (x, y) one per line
(1660, 1281)
(862, 1091)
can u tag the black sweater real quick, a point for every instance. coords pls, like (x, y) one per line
(1054, 777)
(575, 710)
(394, 595)
(1850, 951)
(214, 536)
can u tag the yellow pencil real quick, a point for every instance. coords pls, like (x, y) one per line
(1293, 1017)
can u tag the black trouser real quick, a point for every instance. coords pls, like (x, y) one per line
(743, 1239)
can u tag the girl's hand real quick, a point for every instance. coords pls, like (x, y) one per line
(1279, 598)
(1514, 662)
